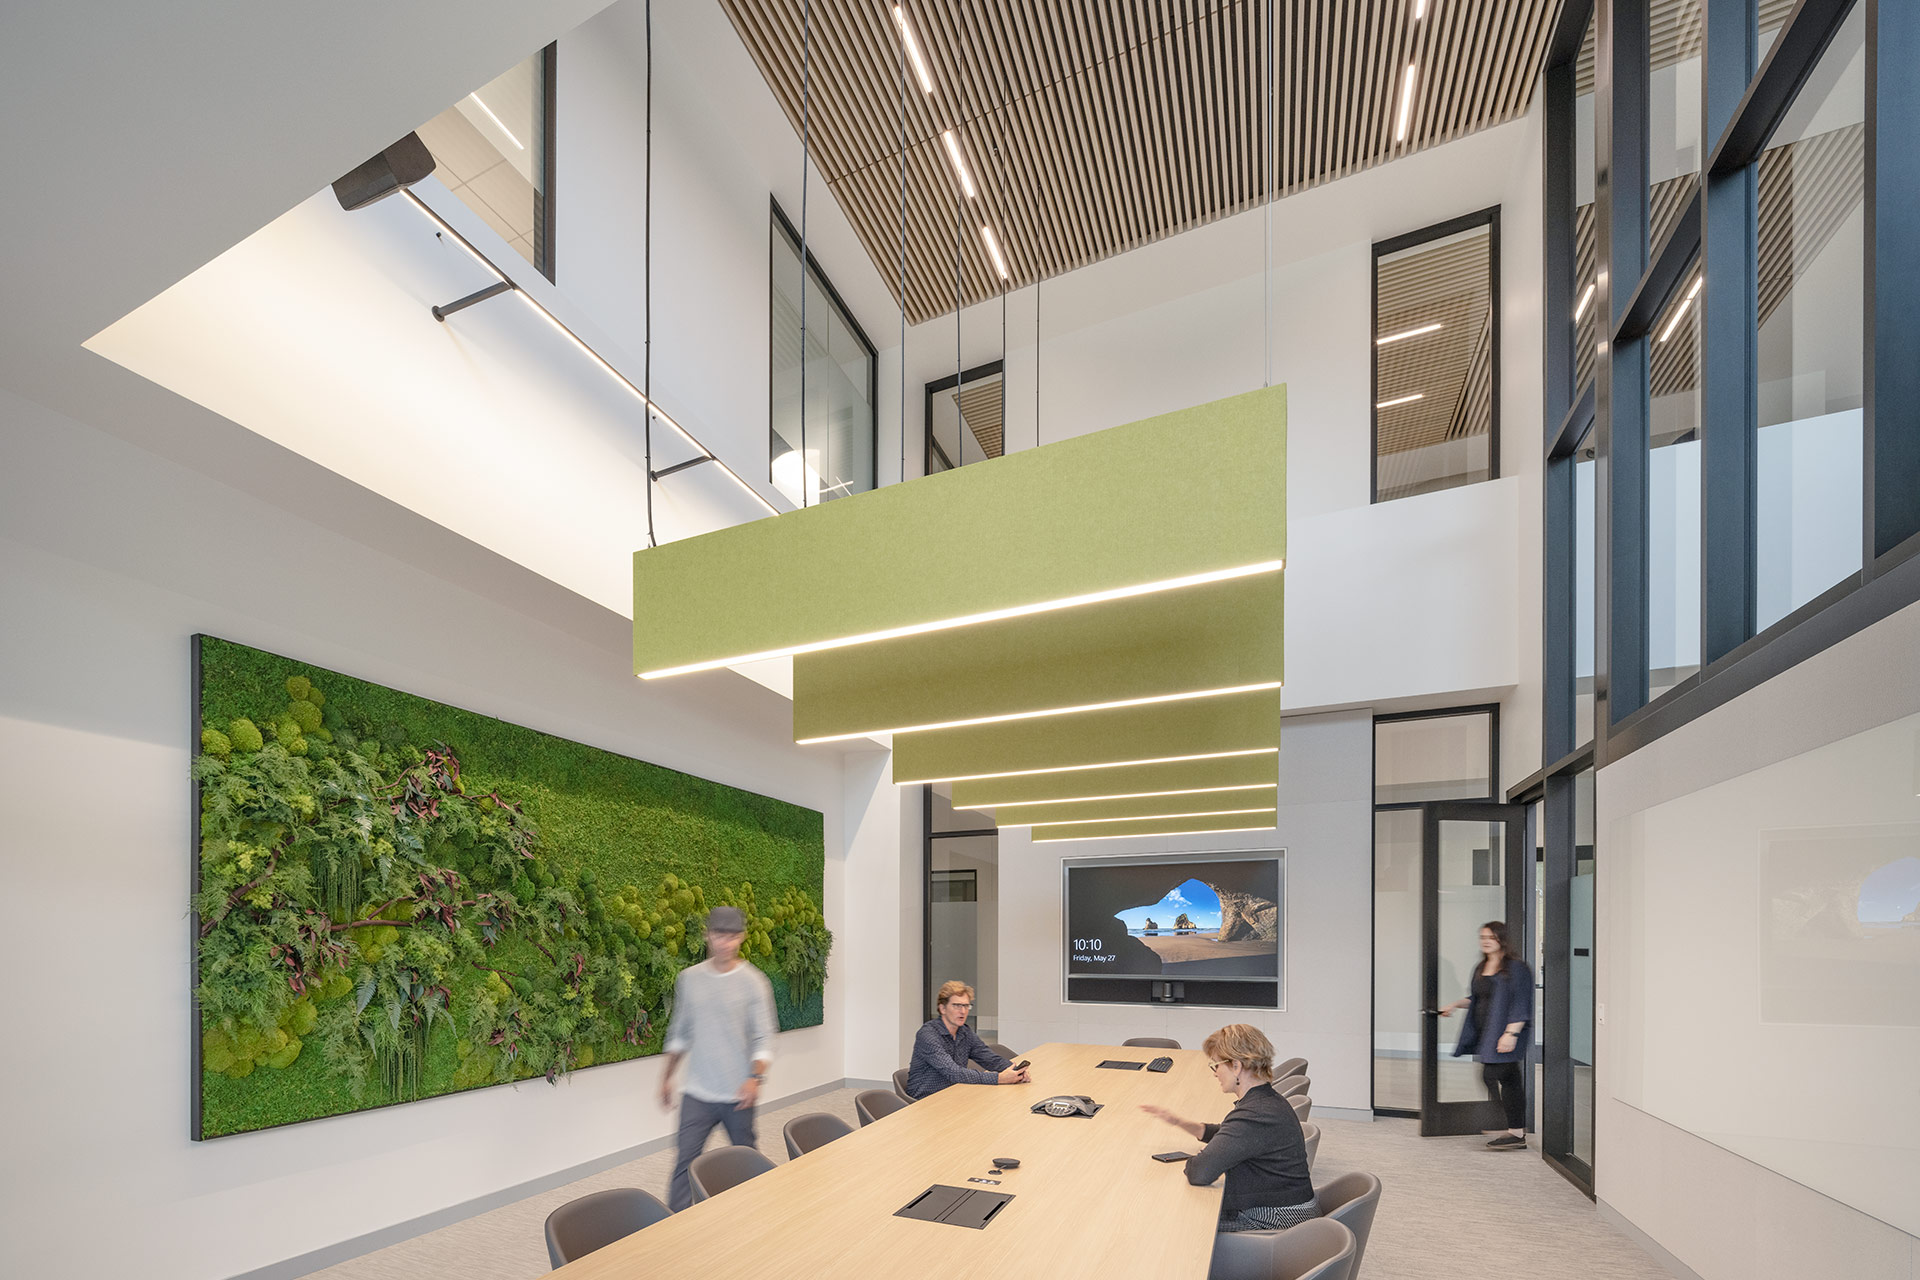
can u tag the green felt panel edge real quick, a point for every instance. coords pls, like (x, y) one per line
(626, 819)
(1030, 815)
(1170, 827)
(1187, 492)
(1216, 635)
(1039, 788)
(1231, 723)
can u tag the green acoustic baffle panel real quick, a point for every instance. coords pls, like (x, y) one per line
(1261, 820)
(1078, 812)
(1249, 773)
(1198, 492)
(1220, 635)
(1241, 722)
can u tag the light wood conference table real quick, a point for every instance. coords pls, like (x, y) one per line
(1088, 1201)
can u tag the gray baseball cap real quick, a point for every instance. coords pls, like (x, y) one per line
(726, 920)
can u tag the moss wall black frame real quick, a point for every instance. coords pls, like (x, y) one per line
(810, 264)
(1489, 218)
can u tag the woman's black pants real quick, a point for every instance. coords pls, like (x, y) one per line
(1505, 1086)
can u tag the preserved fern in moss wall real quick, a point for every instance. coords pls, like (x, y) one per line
(398, 898)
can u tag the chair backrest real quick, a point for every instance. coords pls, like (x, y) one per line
(594, 1221)
(1318, 1249)
(1003, 1051)
(875, 1104)
(1352, 1199)
(1302, 1106)
(900, 1085)
(1293, 1086)
(1311, 1132)
(714, 1171)
(813, 1130)
(1150, 1042)
(1291, 1067)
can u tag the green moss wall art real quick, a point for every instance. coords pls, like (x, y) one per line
(397, 899)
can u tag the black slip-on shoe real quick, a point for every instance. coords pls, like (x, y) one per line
(1507, 1142)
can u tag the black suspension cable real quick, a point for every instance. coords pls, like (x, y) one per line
(646, 368)
(806, 142)
(903, 248)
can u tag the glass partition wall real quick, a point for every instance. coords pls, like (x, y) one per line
(963, 906)
(824, 448)
(494, 150)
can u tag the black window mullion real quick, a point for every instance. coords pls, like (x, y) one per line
(1620, 379)
(1729, 322)
(1892, 365)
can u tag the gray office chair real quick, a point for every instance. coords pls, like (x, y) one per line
(1150, 1042)
(1351, 1199)
(812, 1131)
(1003, 1051)
(1302, 1106)
(1293, 1086)
(875, 1104)
(900, 1085)
(1319, 1249)
(1311, 1132)
(1291, 1067)
(591, 1222)
(724, 1167)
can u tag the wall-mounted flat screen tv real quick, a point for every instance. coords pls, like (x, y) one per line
(1202, 918)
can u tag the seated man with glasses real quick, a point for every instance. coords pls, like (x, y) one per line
(1258, 1146)
(946, 1044)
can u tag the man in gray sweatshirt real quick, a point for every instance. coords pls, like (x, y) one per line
(723, 1024)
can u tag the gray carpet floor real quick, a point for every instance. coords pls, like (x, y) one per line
(1449, 1210)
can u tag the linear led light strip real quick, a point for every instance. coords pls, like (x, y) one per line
(1407, 333)
(1684, 304)
(1406, 103)
(973, 619)
(913, 49)
(1134, 835)
(1123, 795)
(1155, 700)
(1388, 404)
(498, 123)
(993, 247)
(481, 258)
(1151, 817)
(1078, 768)
(959, 162)
(1585, 298)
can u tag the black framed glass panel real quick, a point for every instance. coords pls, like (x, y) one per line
(962, 907)
(494, 150)
(1811, 390)
(822, 449)
(966, 418)
(1676, 148)
(1583, 588)
(1673, 490)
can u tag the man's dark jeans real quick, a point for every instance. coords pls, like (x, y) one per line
(697, 1120)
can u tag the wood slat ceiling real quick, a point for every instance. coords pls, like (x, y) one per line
(983, 408)
(1093, 126)
(1448, 283)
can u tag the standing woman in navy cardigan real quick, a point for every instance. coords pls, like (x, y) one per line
(1499, 1029)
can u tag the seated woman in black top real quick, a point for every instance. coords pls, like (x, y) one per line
(1258, 1146)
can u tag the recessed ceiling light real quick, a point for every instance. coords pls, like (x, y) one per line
(1406, 333)
(1127, 835)
(1078, 768)
(1388, 404)
(1151, 817)
(1406, 104)
(973, 619)
(959, 164)
(1681, 310)
(1581, 310)
(913, 49)
(999, 263)
(1047, 711)
(1419, 9)
(518, 145)
(1123, 795)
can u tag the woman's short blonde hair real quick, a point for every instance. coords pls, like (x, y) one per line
(948, 990)
(1243, 1045)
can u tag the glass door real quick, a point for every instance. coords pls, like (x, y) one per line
(1473, 857)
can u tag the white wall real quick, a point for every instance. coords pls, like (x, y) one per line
(110, 558)
(1325, 826)
(1745, 1143)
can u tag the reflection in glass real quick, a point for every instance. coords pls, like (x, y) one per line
(1444, 757)
(1811, 392)
(1673, 490)
(1471, 893)
(840, 364)
(1396, 959)
(967, 425)
(1580, 968)
(489, 149)
(1674, 143)
(1433, 365)
(1586, 329)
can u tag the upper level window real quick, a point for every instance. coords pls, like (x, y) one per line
(966, 418)
(1436, 357)
(494, 149)
(825, 448)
